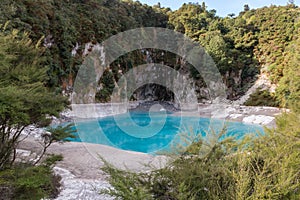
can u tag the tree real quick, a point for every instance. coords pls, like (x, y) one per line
(288, 90)
(246, 8)
(231, 15)
(107, 82)
(291, 2)
(24, 98)
(55, 134)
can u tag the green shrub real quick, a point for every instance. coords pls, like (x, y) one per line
(265, 167)
(262, 98)
(52, 159)
(25, 181)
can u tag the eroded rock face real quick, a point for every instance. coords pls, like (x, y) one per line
(153, 92)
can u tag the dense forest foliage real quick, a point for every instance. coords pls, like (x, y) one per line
(43, 43)
(65, 24)
(25, 100)
(242, 46)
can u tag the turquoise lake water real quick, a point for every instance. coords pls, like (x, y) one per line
(154, 133)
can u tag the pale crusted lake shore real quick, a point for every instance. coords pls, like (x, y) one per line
(80, 170)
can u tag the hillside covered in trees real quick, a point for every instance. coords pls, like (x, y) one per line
(44, 42)
(263, 40)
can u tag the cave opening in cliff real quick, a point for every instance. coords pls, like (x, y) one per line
(153, 92)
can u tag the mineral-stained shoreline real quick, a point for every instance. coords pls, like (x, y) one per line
(259, 115)
(80, 168)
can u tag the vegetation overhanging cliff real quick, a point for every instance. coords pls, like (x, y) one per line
(256, 41)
